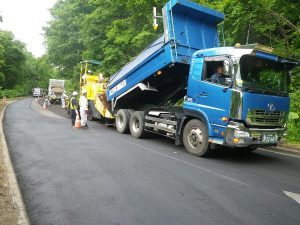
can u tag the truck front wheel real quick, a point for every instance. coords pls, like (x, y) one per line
(195, 138)
(122, 121)
(136, 124)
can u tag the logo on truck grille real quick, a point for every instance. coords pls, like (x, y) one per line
(271, 107)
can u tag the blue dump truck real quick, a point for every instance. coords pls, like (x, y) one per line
(169, 88)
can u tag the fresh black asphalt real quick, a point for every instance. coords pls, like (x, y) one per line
(97, 176)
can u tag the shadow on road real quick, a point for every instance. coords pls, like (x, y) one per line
(232, 155)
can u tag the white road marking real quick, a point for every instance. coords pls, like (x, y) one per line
(280, 153)
(294, 196)
(271, 193)
(190, 164)
(288, 150)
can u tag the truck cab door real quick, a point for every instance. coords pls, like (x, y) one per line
(211, 99)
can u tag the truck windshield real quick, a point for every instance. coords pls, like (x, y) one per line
(262, 76)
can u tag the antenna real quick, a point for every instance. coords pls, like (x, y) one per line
(155, 16)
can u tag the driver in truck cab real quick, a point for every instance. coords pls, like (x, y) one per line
(218, 76)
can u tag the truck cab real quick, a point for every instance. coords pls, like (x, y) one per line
(249, 108)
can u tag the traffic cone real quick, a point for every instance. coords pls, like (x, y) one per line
(44, 107)
(77, 122)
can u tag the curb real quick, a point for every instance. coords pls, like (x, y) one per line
(12, 180)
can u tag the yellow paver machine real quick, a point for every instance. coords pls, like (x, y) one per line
(95, 85)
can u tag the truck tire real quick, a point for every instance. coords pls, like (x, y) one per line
(122, 121)
(136, 124)
(195, 138)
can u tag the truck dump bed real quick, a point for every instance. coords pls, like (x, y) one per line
(159, 73)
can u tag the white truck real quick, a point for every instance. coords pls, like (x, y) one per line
(55, 90)
(37, 92)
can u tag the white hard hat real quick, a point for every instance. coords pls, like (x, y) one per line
(74, 93)
(84, 91)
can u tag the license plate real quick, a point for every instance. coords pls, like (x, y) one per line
(269, 138)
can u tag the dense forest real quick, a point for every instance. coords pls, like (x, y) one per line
(115, 31)
(20, 71)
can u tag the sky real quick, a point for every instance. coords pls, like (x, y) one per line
(26, 18)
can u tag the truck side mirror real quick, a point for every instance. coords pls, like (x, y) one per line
(226, 67)
(228, 81)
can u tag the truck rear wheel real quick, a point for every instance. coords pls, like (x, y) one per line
(122, 121)
(136, 124)
(195, 138)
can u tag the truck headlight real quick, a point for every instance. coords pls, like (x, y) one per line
(241, 133)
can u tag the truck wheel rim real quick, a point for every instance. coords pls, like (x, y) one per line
(120, 121)
(136, 125)
(195, 137)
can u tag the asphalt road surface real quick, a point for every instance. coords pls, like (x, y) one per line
(97, 176)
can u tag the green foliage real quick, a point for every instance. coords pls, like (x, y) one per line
(63, 40)
(19, 70)
(12, 59)
(294, 118)
(112, 32)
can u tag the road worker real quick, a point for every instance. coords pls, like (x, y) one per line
(83, 105)
(73, 107)
(46, 103)
(63, 100)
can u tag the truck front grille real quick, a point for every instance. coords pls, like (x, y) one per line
(264, 118)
